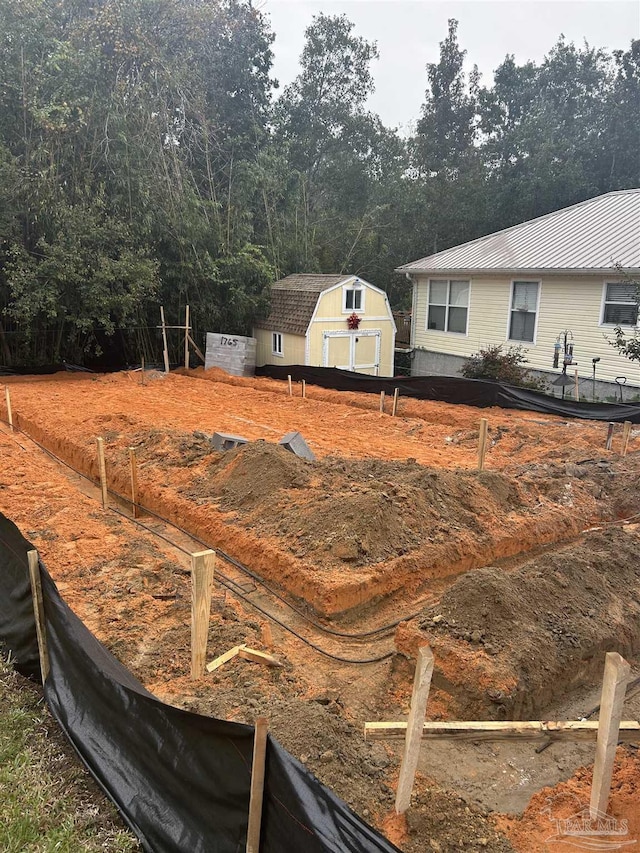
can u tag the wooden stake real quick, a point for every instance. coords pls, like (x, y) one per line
(609, 436)
(394, 408)
(421, 685)
(38, 612)
(290, 387)
(614, 686)
(626, 435)
(142, 370)
(482, 442)
(9, 412)
(223, 658)
(382, 402)
(202, 566)
(133, 465)
(258, 657)
(577, 391)
(186, 338)
(257, 785)
(165, 351)
(102, 468)
(304, 389)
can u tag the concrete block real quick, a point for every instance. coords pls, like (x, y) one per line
(294, 442)
(224, 441)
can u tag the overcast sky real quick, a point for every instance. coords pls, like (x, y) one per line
(408, 33)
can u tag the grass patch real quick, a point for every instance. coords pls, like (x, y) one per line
(48, 801)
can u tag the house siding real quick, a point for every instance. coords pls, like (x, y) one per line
(565, 302)
(293, 348)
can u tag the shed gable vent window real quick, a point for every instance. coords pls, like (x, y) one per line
(620, 304)
(353, 299)
(524, 308)
(276, 345)
(448, 306)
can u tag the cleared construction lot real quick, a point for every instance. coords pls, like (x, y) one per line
(520, 576)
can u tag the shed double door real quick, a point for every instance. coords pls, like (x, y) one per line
(359, 351)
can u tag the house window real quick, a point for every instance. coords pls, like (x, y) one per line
(353, 300)
(276, 343)
(524, 309)
(620, 304)
(448, 305)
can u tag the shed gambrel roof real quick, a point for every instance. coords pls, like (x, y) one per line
(593, 236)
(293, 301)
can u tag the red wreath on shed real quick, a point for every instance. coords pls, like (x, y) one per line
(353, 321)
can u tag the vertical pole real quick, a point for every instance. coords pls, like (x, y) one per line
(7, 396)
(38, 612)
(394, 408)
(186, 338)
(609, 436)
(290, 386)
(165, 351)
(382, 402)
(257, 785)
(102, 468)
(202, 566)
(626, 435)
(614, 686)
(142, 370)
(133, 465)
(482, 442)
(415, 724)
(304, 389)
(577, 391)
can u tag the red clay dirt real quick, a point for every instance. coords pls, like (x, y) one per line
(392, 519)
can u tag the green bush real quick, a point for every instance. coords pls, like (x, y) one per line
(494, 364)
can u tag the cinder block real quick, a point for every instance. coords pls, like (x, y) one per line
(294, 442)
(223, 441)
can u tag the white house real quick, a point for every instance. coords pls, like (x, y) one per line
(328, 321)
(570, 272)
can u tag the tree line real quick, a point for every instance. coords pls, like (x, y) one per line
(147, 157)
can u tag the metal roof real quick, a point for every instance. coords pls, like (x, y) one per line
(293, 301)
(597, 234)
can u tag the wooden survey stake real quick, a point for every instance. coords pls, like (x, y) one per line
(290, 386)
(257, 785)
(482, 442)
(394, 408)
(202, 567)
(614, 686)
(133, 465)
(102, 470)
(382, 402)
(38, 612)
(421, 686)
(609, 441)
(304, 389)
(7, 397)
(626, 435)
(165, 351)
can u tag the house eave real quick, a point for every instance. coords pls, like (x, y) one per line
(511, 271)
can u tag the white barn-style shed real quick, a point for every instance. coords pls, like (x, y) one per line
(572, 271)
(328, 321)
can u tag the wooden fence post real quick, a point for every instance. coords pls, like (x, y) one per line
(102, 468)
(609, 441)
(482, 442)
(7, 396)
(38, 612)
(614, 686)
(394, 408)
(186, 338)
(419, 698)
(626, 435)
(165, 351)
(257, 785)
(133, 465)
(202, 566)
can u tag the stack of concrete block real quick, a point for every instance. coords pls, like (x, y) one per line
(234, 354)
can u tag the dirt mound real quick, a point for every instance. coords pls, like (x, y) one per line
(547, 622)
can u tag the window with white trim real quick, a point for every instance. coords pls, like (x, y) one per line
(524, 309)
(448, 306)
(353, 300)
(276, 343)
(620, 304)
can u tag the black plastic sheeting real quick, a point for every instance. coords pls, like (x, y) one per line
(180, 780)
(455, 389)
